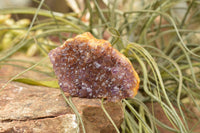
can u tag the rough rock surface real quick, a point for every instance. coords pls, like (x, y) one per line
(91, 68)
(21, 63)
(25, 108)
(160, 115)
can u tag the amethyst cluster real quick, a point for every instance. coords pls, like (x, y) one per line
(90, 68)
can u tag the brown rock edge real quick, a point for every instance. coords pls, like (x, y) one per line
(35, 109)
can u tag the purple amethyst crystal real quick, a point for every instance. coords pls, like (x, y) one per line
(90, 68)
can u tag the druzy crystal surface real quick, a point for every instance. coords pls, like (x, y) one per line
(90, 68)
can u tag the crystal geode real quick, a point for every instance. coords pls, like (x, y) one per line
(90, 68)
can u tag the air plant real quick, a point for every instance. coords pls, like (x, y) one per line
(163, 48)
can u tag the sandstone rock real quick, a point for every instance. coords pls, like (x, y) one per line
(25, 108)
(160, 115)
(12, 68)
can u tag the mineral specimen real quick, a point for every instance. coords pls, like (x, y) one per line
(90, 68)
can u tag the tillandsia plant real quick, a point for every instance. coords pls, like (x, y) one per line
(160, 38)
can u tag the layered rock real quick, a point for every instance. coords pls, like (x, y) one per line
(25, 108)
